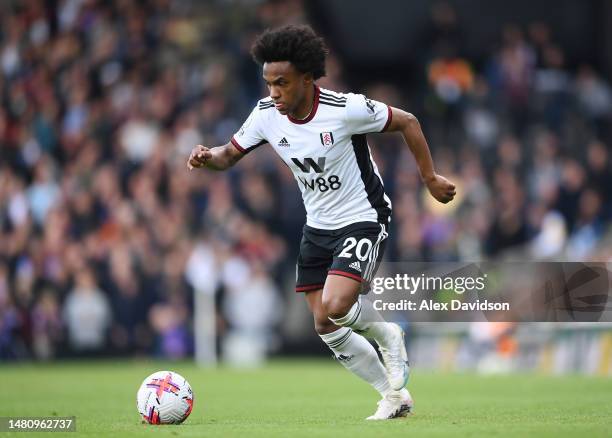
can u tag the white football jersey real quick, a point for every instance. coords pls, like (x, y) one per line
(328, 155)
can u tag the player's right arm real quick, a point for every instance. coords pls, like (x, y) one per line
(249, 137)
(219, 158)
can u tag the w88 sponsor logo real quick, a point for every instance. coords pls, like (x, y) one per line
(309, 165)
(331, 183)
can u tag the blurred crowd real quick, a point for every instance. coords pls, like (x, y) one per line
(105, 236)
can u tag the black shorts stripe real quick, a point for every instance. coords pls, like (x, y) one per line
(373, 185)
(373, 262)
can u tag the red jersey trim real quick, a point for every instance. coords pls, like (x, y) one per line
(237, 145)
(309, 287)
(389, 118)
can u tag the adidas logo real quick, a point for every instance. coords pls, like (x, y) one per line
(345, 358)
(283, 143)
(356, 266)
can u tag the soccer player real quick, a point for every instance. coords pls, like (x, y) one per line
(321, 135)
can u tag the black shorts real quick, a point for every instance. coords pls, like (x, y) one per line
(354, 251)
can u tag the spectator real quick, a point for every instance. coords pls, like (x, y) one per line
(47, 325)
(87, 315)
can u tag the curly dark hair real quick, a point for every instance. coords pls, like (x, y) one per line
(299, 45)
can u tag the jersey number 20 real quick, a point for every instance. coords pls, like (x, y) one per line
(360, 252)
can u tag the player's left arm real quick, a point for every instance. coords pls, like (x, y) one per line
(439, 187)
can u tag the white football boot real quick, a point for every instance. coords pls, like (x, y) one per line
(395, 358)
(396, 404)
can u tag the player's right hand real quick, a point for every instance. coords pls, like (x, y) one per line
(198, 157)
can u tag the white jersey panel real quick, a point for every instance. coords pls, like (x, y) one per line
(250, 135)
(328, 155)
(366, 115)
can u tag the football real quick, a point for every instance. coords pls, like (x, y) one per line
(164, 397)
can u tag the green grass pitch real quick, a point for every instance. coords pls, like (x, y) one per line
(307, 399)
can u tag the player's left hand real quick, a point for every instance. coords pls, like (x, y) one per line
(441, 188)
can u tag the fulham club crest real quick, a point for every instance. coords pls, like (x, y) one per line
(327, 138)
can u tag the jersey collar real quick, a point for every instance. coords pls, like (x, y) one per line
(315, 105)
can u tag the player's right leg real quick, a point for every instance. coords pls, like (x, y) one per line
(353, 351)
(362, 318)
(358, 356)
(389, 336)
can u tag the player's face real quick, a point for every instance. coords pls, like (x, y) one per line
(287, 86)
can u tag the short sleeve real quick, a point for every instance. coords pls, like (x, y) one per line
(366, 115)
(250, 134)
